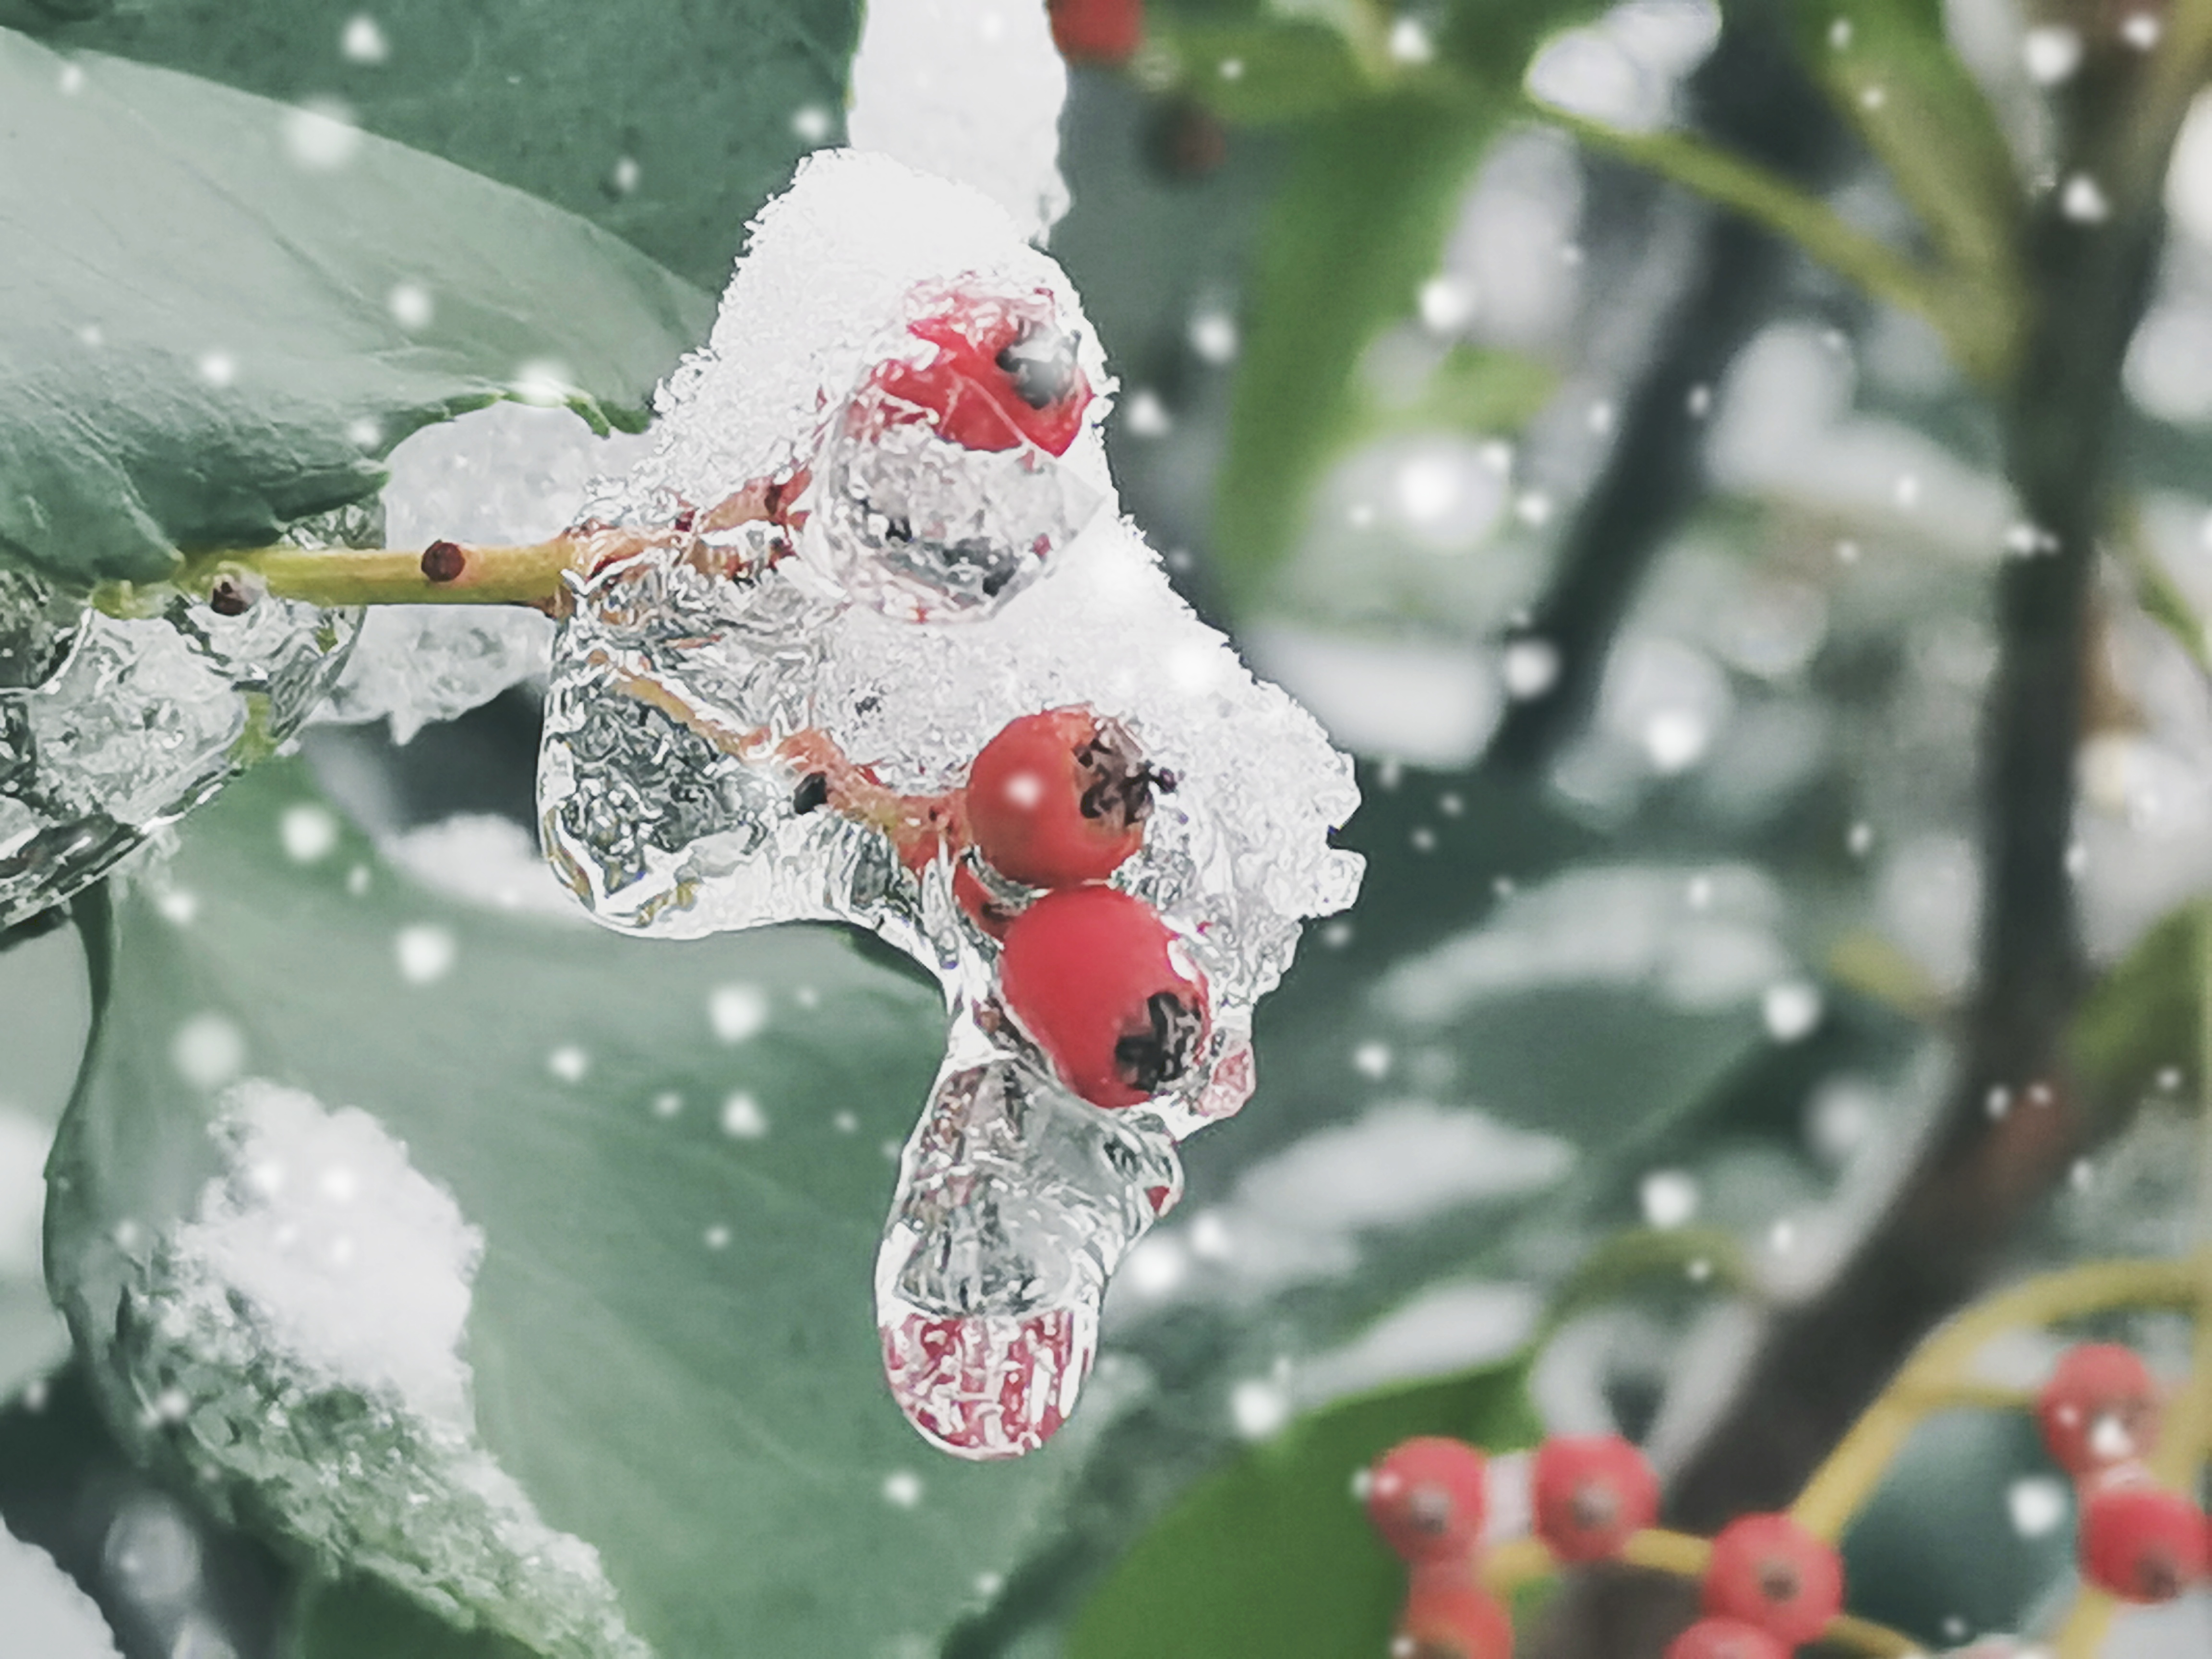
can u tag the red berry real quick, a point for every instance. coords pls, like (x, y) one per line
(1591, 1495)
(1001, 373)
(1098, 30)
(1427, 1497)
(1445, 1617)
(1725, 1638)
(1059, 798)
(1107, 990)
(2140, 1542)
(1768, 1570)
(2100, 1408)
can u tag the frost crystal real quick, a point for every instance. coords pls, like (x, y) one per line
(111, 728)
(783, 608)
(307, 1321)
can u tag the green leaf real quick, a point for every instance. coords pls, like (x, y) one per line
(2146, 1015)
(1889, 68)
(198, 342)
(1258, 73)
(1357, 228)
(705, 1409)
(1273, 1555)
(552, 97)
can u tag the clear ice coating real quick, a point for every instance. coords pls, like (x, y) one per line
(111, 728)
(832, 582)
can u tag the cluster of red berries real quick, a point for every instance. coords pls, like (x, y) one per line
(1769, 1586)
(1051, 808)
(1428, 1499)
(2100, 1416)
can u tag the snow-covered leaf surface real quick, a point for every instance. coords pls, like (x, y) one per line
(560, 1241)
(668, 132)
(48, 1616)
(218, 314)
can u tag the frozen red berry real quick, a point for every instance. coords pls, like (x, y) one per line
(1105, 32)
(1725, 1638)
(1107, 990)
(1591, 1494)
(1427, 1497)
(1059, 799)
(2141, 1542)
(2099, 1409)
(1768, 1570)
(1451, 1618)
(1000, 372)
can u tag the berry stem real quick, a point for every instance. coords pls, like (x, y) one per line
(1840, 1487)
(340, 576)
(1523, 1560)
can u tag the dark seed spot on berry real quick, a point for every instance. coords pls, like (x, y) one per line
(1041, 362)
(1777, 1582)
(1152, 1059)
(1429, 1508)
(229, 597)
(1594, 1506)
(686, 518)
(1117, 784)
(2158, 1577)
(444, 562)
(813, 791)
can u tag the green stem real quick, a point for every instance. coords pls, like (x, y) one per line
(443, 574)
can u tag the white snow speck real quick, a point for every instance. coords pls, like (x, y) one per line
(412, 307)
(1212, 336)
(1670, 1198)
(2038, 1505)
(217, 369)
(208, 1051)
(543, 381)
(737, 1012)
(178, 907)
(1530, 668)
(1259, 1408)
(426, 953)
(903, 1489)
(362, 40)
(667, 1103)
(811, 124)
(320, 135)
(716, 1237)
(743, 1119)
(1144, 416)
(2051, 53)
(1372, 1059)
(568, 1063)
(1410, 43)
(71, 80)
(2083, 200)
(1791, 1010)
(309, 832)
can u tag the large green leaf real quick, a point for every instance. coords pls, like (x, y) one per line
(1273, 1555)
(1356, 229)
(669, 125)
(201, 338)
(672, 1333)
